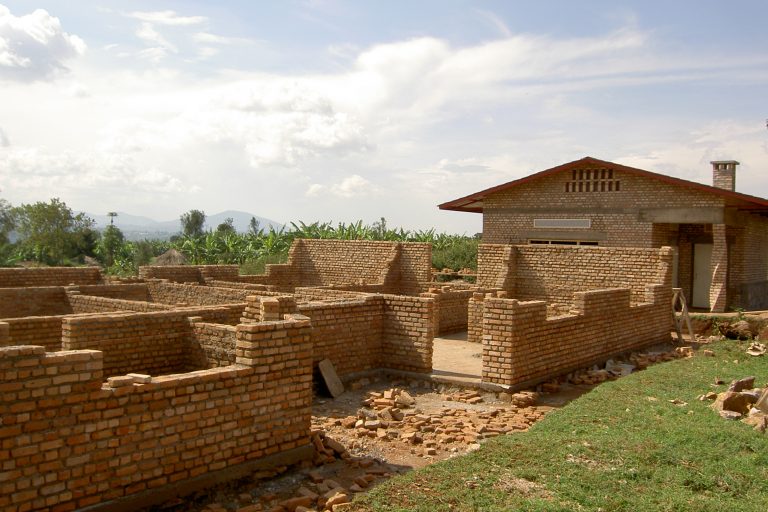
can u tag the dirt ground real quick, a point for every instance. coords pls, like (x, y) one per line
(442, 427)
(379, 428)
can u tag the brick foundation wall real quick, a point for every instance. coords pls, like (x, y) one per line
(35, 330)
(71, 441)
(33, 301)
(211, 345)
(48, 276)
(238, 285)
(521, 346)
(451, 309)
(408, 332)
(194, 295)
(346, 332)
(91, 304)
(312, 294)
(372, 266)
(128, 291)
(555, 273)
(148, 343)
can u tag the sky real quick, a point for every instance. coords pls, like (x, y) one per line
(332, 110)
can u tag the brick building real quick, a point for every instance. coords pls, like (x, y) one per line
(719, 236)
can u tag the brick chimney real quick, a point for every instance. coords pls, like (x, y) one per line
(724, 174)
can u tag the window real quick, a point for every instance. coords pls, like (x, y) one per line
(562, 242)
(562, 223)
(592, 180)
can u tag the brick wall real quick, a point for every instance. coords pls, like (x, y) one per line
(394, 266)
(475, 318)
(194, 295)
(239, 285)
(451, 308)
(211, 345)
(555, 273)
(5, 334)
(508, 215)
(33, 301)
(346, 332)
(190, 273)
(92, 304)
(521, 346)
(408, 332)
(151, 343)
(70, 441)
(127, 291)
(748, 277)
(35, 330)
(48, 276)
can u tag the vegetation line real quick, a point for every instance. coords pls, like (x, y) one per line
(52, 234)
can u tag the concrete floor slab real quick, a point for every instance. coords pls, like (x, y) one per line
(453, 356)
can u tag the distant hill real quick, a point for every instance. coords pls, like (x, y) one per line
(136, 227)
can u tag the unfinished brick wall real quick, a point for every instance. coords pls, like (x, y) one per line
(151, 343)
(238, 285)
(190, 273)
(49, 276)
(348, 333)
(34, 330)
(451, 308)
(194, 295)
(34, 301)
(211, 345)
(554, 273)
(521, 346)
(325, 293)
(5, 334)
(408, 332)
(475, 318)
(391, 267)
(70, 441)
(127, 291)
(91, 304)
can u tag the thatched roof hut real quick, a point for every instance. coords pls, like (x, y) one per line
(170, 257)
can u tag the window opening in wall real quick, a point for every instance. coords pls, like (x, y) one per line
(592, 180)
(562, 242)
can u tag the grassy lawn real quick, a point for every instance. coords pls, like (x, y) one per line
(623, 446)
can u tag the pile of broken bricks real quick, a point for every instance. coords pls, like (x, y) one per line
(317, 492)
(742, 401)
(390, 416)
(616, 368)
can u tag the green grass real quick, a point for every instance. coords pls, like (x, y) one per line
(623, 446)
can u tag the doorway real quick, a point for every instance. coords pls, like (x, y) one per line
(702, 275)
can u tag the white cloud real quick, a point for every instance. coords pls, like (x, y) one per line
(34, 46)
(166, 18)
(4, 140)
(208, 38)
(351, 186)
(36, 172)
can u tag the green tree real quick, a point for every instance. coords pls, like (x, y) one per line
(6, 220)
(192, 223)
(111, 242)
(51, 233)
(228, 226)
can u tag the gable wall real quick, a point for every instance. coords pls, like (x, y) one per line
(509, 214)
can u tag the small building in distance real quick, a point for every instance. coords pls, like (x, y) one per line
(719, 236)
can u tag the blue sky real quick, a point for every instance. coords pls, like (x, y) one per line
(340, 110)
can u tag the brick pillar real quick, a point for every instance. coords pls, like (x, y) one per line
(719, 268)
